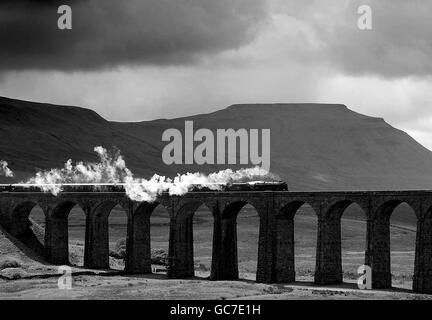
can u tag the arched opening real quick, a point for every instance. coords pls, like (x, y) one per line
(353, 241)
(28, 226)
(392, 252)
(76, 235)
(403, 225)
(117, 233)
(247, 221)
(159, 239)
(296, 234)
(203, 224)
(305, 242)
(186, 241)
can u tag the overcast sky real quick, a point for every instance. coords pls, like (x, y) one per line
(145, 59)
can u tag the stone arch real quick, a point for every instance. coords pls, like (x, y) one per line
(75, 215)
(181, 244)
(57, 230)
(232, 208)
(62, 208)
(118, 220)
(353, 217)
(337, 208)
(138, 246)
(145, 208)
(23, 208)
(328, 268)
(385, 208)
(203, 222)
(103, 209)
(225, 246)
(188, 208)
(19, 221)
(403, 230)
(158, 224)
(284, 266)
(379, 247)
(185, 220)
(21, 227)
(289, 209)
(96, 253)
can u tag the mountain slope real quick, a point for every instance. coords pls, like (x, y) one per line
(313, 146)
(34, 135)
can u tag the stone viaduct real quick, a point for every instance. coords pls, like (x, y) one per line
(276, 210)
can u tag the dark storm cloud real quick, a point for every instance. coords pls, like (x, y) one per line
(111, 32)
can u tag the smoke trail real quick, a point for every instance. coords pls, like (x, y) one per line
(109, 169)
(4, 169)
(112, 169)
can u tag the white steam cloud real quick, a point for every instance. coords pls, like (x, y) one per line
(112, 169)
(4, 169)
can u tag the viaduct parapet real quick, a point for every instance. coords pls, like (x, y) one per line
(276, 210)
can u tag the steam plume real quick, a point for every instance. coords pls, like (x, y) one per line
(112, 169)
(4, 169)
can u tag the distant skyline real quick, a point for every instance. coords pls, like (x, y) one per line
(148, 59)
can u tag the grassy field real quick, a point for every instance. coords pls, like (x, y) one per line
(353, 239)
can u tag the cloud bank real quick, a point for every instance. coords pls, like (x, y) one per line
(399, 44)
(108, 33)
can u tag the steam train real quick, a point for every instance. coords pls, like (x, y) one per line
(248, 186)
(108, 187)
